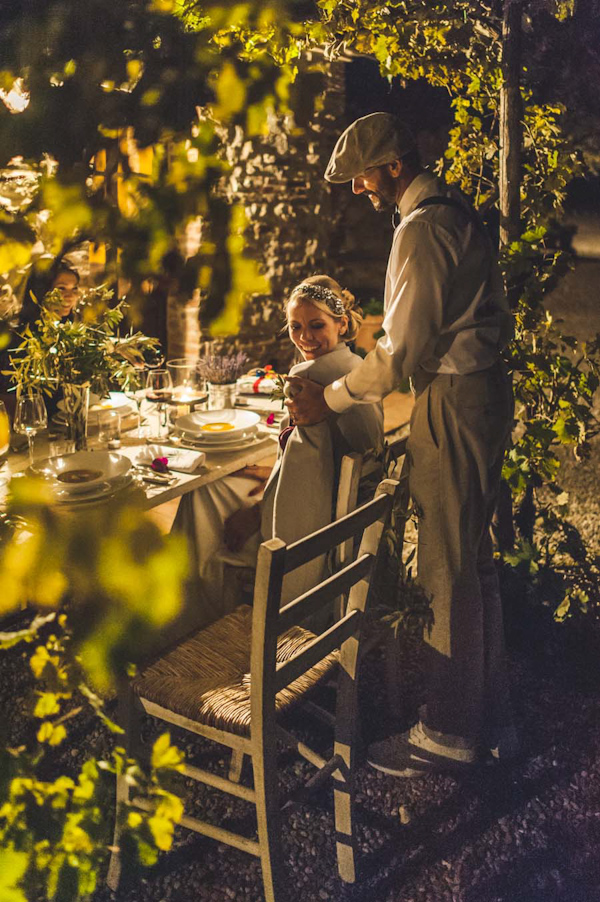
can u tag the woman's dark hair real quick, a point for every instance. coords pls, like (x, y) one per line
(63, 270)
(38, 285)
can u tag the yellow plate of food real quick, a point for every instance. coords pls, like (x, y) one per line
(218, 425)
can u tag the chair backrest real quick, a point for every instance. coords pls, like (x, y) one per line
(347, 494)
(275, 559)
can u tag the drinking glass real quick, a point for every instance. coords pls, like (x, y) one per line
(109, 429)
(30, 416)
(134, 390)
(4, 433)
(159, 390)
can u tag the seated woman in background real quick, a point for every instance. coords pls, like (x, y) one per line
(223, 521)
(61, 277)
(66, 280)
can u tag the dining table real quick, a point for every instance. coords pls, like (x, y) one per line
(216, 465)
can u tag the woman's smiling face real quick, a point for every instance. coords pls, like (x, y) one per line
(312, 331)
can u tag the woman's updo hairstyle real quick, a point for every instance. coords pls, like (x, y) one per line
(329, 296)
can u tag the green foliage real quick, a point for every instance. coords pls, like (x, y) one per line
(161, 75)
(87, 350)
(104, 585)
(117, 575)
(553, 567)
(373, 307)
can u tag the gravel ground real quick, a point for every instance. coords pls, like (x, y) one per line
(525, 833)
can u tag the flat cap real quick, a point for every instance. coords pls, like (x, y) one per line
(370, 141)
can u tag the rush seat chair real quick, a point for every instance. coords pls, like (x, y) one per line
(231, 681)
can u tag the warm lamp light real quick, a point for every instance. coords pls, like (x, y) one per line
(17, 99)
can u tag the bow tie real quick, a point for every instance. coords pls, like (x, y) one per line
(396, 218)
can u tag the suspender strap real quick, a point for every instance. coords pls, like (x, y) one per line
(442, 201)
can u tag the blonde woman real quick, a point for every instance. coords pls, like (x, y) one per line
(224, 522)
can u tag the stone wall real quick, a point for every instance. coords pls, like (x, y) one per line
(294, 224)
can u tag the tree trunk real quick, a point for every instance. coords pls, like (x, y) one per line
(510, 123)
(511, 128)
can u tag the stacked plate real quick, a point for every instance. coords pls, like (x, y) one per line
(219, 430)
(85, 475)
(116, 401)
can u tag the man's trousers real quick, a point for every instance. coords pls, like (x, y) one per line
(459, 431)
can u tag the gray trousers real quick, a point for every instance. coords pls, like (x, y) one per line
(459, 431)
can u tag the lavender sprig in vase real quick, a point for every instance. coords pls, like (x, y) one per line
(221, 372)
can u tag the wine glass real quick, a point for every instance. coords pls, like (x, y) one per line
(4, 433)
(30, 416)
(134, 391)
(159, 390)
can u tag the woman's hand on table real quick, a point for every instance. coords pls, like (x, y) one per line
(242, 524)
(259, 474)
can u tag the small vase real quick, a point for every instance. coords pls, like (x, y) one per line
(77, 400)
(221, 397)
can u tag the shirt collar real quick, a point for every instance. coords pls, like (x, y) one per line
(423, 185)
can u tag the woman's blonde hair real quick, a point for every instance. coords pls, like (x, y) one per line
(329, 296)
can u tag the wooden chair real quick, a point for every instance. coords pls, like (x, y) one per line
(345, 502)
(230, 682)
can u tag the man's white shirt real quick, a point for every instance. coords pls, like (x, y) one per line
(445, 307)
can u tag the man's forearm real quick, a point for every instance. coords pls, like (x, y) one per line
(367, 384)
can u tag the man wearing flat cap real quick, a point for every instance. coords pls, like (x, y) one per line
(446, 320)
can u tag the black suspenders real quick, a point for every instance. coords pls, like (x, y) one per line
(443, 201)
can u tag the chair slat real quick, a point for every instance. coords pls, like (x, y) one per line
(316, 650)
(314, 600)
(347, 494)
(205, 776)
(231, 839)
(323, 540)
(233, 740)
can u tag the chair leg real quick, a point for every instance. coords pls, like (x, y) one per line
(128, 718)
(268, 817)
(343, 778)
(343, 799)
(235, 765)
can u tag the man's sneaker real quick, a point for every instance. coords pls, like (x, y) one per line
(414, 753)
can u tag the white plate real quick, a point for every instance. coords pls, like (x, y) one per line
(226, 447)
(199, 439)
(107, 466)
(199, 422)
(101, 491)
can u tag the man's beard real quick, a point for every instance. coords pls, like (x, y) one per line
(385, 203)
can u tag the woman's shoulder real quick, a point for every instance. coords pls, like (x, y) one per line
(328, 367)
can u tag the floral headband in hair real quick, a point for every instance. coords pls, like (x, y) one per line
(320, 293)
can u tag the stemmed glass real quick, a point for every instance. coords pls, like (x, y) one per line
(30, 416)
(4, 433)
(134, 390)
(159, 390)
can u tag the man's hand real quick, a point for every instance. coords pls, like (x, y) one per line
(306, 404)
(242, 524)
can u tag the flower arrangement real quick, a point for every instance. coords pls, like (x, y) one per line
(86, 351)
(222, 369)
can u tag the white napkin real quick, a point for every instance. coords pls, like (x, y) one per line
(246, 385)
(180, 459)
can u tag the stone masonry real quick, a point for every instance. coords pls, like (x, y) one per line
(293, 225)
